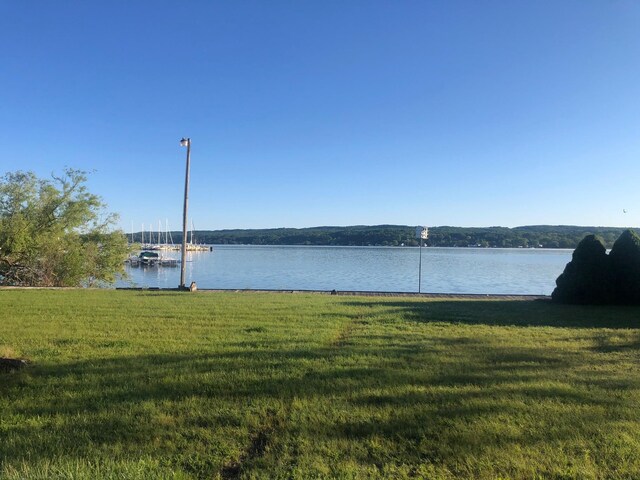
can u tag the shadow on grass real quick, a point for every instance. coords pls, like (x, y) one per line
(442, 397)
(409, 395)
(524, 313)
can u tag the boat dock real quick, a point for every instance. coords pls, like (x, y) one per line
(151, 259)
(176, 248)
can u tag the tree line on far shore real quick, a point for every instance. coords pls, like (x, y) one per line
(537, 236)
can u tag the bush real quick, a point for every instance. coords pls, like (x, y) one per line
(625, 265)
(593, 277)
(587, 277)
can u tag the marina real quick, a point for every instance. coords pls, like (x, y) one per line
(162, 240)
(176, 248)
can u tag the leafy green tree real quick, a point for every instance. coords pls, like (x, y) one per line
(55, 233)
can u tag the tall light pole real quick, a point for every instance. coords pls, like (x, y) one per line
(185, 142)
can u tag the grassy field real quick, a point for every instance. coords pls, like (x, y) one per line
(137, 384)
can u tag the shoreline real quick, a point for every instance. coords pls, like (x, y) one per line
(359, 293)
(344, 293)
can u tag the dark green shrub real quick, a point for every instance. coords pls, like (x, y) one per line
(587, 277)
(625, 264)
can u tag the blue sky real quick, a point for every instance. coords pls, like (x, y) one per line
(468, 113)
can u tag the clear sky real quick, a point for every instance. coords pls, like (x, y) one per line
(306, 113)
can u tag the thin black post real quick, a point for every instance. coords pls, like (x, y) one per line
(420, 270)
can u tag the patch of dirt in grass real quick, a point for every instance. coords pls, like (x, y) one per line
(259, 442)
(344, 335)
(7, 352)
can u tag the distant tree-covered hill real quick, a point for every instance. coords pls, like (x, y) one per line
(538, 236)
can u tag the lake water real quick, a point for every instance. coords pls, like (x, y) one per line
(387, 269)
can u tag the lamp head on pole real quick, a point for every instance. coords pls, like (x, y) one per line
(185, 142)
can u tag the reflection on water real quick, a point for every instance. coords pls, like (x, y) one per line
(444, 270)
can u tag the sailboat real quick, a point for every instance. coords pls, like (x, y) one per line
(192, 247)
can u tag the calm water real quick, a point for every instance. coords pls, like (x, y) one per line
(444, 270)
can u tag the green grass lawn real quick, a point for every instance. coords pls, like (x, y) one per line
(138, 384)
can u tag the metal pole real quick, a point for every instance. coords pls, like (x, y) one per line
(420, 270)
(183, 260)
